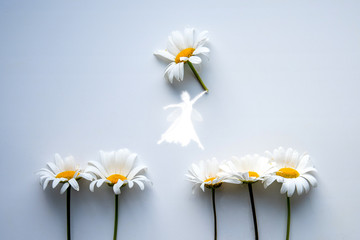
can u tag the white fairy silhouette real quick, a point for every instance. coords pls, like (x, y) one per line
(182, 130)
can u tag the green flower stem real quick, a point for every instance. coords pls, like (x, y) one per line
(68, 191)
(197, 76)
(116, 215)
(214, 209)
(253, 211)
(288, 218)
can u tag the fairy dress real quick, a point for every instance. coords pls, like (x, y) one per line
(182, 131)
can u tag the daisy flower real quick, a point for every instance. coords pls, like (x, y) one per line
(248, 170)
(184, 48)
(207, 174)
(63, 171)
(294, 171)
(66, 172)
(117, 169)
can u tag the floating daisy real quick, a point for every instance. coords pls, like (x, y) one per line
(294, 171)
(248, 170)
(117, 169)
(206, 174)
(65, 172)
(184, 48)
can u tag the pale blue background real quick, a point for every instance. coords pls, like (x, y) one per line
(79, 76)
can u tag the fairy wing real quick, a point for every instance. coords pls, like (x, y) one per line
(173, 115)
(195, 115)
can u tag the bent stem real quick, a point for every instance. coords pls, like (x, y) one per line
(116, 215)
(68, 191)
(214, 209)
(288, 218)
(253, 211)
(197, 76)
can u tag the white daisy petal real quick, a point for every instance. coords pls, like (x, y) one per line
(46, 182)
(178, 39)
(59, 162)
(74, 184)
(130, 183)
(165, 55)
(202, 187)
(181, 71)
(291, 188)
(55, 182)
(140, 184)
(86, 176)
(129, 163)
(201, 50)
(116, 189)
(299, 186)
(201, 39)
(177, 72)
(69, 163)
(64, 187)
(92, 185)
(171, 73)
(135, 171)
(53, 167)
(195, 60)
(100, 182)
(169, 69)
(284, 188)
(189, 37)
(101, 170)
(171, 47)
(311, 179)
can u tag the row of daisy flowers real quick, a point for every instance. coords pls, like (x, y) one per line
(116, 168)
(285, 166)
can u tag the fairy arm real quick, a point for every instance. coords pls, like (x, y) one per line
(198, 96)
(171, 106)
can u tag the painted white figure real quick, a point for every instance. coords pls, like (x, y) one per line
(182, 130)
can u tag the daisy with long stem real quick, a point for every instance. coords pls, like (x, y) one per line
(294, 172)
(65, 172)
(247, 170)
(206, 174)
(117, 169)
(184, 48)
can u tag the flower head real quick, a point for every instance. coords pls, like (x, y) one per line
(117, 169)
(181, 48)
(63, 171)
(247, 169)
(293, 170)
(205, 174)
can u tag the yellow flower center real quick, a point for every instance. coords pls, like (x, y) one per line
(253, 174)
(288, 173)
(211, 185)
(210, 179)
(115, 177)
(67, 174)
(187, 52)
